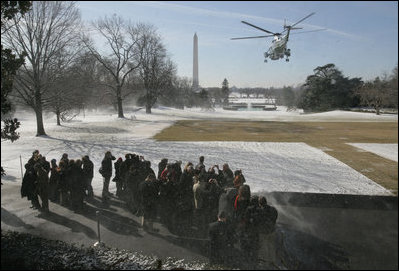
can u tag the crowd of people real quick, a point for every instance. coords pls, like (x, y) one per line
(66, 183)
(216, 203)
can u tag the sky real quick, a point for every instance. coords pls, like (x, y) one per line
(361, 37)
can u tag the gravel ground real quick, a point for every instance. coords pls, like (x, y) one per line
(20, 251)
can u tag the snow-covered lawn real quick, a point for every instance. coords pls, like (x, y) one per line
(389, 151)
(267, 166)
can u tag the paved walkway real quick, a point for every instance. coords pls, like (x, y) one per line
(119, 228)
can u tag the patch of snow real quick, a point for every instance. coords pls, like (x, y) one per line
(389, 151)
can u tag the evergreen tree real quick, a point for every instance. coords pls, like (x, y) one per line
(328, 89)
(10, 63)
(225, 92)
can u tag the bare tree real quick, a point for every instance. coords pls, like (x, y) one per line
(122, 38)
(375, 94)
(157, 71)
(45, 32)
(69, 89)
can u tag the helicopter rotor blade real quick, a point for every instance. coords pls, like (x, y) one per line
(257, 27)
(303, 19)
(255, 37)
(317, 30)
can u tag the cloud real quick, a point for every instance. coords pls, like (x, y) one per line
(234, 15)
(206, 12)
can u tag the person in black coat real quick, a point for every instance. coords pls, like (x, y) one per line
(249, 240)
(118, 176)
(88, 172)
(200, 166)
(268, 216)
(228, 176)
(29, 182)
(219, 240)
(167, 201)
(149, 197)
(63, 184)
(106, 172)
(124, 169)
(44, 163)
(185, 200)
(42, 185)
(64, 158)
(132, 185)
(54, 181)
(77, 185)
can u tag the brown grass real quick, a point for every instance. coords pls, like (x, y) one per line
(327, 136)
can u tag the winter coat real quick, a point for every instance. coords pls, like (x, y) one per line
(219, 240)
(88, 168)
(28, 188)
(201, 195)
(124, 168)
(117, 166)
(268, 216)
(42, 181)
(228, 177)
(185, 200)
(149, 197)
(226, 202)
(106, 166)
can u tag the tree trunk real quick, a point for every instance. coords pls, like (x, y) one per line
(148, 103)
(119, 101)
(148, 108)
(39, 122)
(58, 117)
(39, 114)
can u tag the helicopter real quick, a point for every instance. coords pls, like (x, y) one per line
(278, 49)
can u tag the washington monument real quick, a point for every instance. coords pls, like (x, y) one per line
(195, 63)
